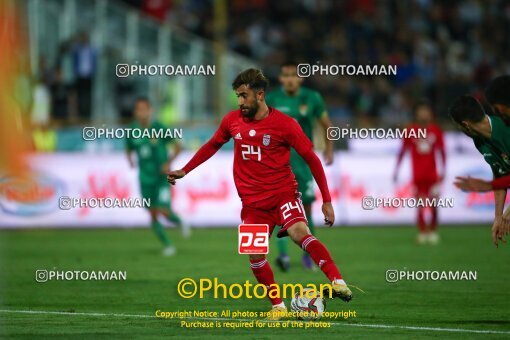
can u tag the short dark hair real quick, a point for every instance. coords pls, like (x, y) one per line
(498, 91)
(253, 78)
(468, 108)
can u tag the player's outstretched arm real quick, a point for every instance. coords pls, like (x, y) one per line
(498, 226)
(501, 224)
(204, 153)
(472, 184)
(480, 185)
(505, 229)
(328, 151)
(304, 147)
(174, 175)
(317, 170)
(207, 150)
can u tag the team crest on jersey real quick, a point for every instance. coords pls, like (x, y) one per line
(266, 140)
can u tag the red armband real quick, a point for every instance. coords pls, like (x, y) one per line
(501, 183)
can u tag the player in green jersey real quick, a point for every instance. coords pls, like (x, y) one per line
(153, 164)
(492, 139)
(307, 107)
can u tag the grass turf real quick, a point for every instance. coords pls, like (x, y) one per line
(362, 254)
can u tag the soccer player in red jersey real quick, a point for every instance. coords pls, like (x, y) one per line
(425, 174)
(264, 180)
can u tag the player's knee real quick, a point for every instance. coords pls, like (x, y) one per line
(298, 231)
(256, 257)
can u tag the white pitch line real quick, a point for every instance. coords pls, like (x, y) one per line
(73, 313)
(144, 316)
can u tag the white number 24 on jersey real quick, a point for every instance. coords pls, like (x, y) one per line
(289, 206)
(250, 150)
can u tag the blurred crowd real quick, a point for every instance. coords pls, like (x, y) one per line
(442, 48)
(63, 87)
(62, 90)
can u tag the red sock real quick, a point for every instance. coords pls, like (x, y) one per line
(321, 256)
(264, 274)
(421, 220)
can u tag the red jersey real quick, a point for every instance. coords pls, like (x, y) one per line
(423, 152)
(261, 155)
(261, 152)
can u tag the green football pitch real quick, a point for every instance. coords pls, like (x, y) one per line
(100, 309)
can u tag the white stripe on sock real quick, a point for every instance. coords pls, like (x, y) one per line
(258, 264)
(307, 242)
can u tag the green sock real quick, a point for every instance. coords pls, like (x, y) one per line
(172, 217)
(282, 245)
(311, 226)
(159, 230)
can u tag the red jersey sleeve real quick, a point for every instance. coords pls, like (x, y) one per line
(221, 136)
(296, 138)
(304, 147)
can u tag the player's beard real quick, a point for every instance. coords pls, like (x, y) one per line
(251, 111)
